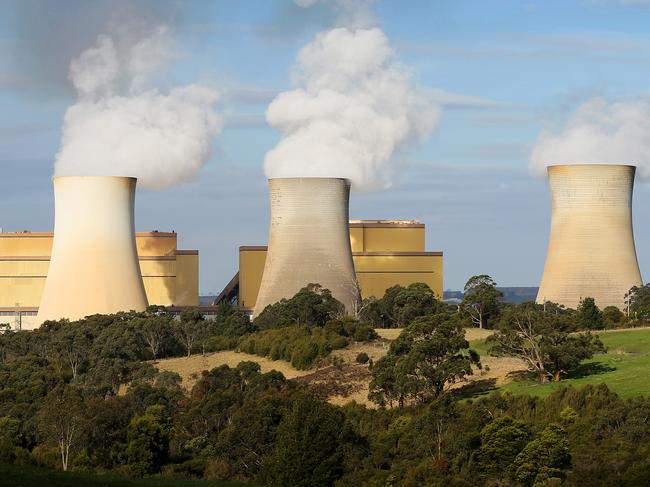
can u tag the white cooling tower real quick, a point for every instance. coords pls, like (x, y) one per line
(94, 265)
(309, 241)
(591, 250)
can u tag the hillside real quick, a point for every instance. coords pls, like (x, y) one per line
(348, 381)
(624, 368)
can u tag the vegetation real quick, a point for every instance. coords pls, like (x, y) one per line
(313, 305)
(429, 354)
(542, 342)
(84, 397)
(400, 306)
(30, 476)
(481, 300)
(300, 345)
(623, 368)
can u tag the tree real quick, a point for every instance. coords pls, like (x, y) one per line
(589, 316)
(147, 446)
(481, 299)
(428, 355)
(545, 458)
(612, 316)
(313, 305)
(501, 441)
(534, 337)
(309, 449)
(189, 328)
(638, 302)
(61, 420)
(232, 322)
(72, 344)
(155, 331)
(564, 352)
(412, 302)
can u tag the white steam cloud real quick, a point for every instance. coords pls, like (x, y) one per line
(121, 127)
(599, 132)
(353, 107)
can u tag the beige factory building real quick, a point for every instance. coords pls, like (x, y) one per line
(170, 275)
(385, 253)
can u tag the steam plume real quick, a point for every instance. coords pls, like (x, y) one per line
(353, 107)
(120, 126)
(599, 131)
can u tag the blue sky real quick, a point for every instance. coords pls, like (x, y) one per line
(508, 68)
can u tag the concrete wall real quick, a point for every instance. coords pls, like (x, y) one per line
(309, 241)
(591, 251)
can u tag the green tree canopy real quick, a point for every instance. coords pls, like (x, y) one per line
(313, 305)
(538, 338)
(428, 355)
(588, 315)
(481, 300)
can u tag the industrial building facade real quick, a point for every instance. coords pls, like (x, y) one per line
(385, 253)
(170, 275)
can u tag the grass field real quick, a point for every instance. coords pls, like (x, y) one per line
(12, 475)
(624, 368)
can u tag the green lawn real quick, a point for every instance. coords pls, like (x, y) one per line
(12, 475)
(625, 368)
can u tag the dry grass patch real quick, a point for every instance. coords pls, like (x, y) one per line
(190, 368)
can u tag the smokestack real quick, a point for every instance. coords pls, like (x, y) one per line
(94, 265)
(591, 249)
(309, 241)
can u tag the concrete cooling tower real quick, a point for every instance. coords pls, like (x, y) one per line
(94, 265)
(309, 241)
(591, 249)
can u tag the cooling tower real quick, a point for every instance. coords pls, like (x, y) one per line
(94, 265)
(591, 249)
(309, 241)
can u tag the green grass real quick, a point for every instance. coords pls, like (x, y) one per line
(625, 368)
(12, 475)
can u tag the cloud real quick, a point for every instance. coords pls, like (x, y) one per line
(599, 131)
(448, 100)
(120, 126)
(352, 109)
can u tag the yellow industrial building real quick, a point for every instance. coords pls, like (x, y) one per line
(170, 275)
(385, 253)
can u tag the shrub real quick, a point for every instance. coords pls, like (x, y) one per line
(362, 358)
(612, 316)
(350, 328)
(218, 343)
(312, 305)
(300, 345)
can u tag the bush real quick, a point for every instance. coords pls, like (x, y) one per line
(613, 316)
(350, 328)
(362, 358)
(218, 343)
(300, 345)
(312, 305)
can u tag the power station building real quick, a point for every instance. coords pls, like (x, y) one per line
(385, 253)
(170, 275)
